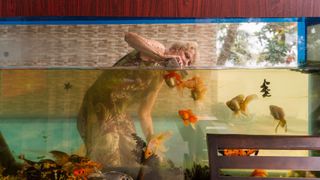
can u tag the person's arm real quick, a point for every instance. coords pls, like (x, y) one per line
(152, 50)
(145, 110)
(148, 47)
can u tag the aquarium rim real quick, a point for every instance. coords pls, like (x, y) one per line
(302, 23)
(87, 20)
(153, 68)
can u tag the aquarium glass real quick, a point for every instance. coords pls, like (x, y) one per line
(313, 41)
(83, 99)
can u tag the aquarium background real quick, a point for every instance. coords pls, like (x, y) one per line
(254, 44)
(47, 69)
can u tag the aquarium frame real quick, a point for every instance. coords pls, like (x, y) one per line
(302, 23)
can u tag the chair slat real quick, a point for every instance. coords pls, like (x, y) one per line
(265, 162)
(262, 178)
(266, 142)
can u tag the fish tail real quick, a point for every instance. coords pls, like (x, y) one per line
(180, 86)
(159, 145)
(162, 148)
(244, 104)
(164, 136)
(193, 126)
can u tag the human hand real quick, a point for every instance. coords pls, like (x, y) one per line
(173, 61)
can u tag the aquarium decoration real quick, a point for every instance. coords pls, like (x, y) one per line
(265, 88)
(133, 98)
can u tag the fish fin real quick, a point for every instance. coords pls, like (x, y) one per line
(276, 130)
(244, 104)
(239, 98)
(285, 126)
(164, 136)
(162, 148)
(193, 126)
(159, 146)
(244, 113)
(180, 86)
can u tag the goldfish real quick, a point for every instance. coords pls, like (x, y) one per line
(259, 173)
(156, 144)
(79, 172)
(188, 117)
(172, 79)
(196, 85)
(278, 114)
(239, 152)
(239, 104)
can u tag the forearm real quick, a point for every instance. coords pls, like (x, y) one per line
(146, 124)
(145, 110)
(149, 47)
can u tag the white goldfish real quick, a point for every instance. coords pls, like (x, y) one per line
(239, 104)
(156, 144)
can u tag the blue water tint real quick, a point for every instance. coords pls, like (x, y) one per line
(176, 146)
(36, 137)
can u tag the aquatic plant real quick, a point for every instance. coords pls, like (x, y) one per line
(197, 172)
(152, 162)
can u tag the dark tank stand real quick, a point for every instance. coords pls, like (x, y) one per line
(7, 160)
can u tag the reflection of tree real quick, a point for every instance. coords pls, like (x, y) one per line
(235, 45)
(273, 37)
(228, 42)
(240, 52)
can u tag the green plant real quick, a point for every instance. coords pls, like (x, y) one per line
(197, 172)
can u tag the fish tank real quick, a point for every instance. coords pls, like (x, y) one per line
(133, 98)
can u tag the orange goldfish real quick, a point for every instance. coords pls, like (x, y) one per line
(156, 144)
(196, 85)
(239, 104)
(188, 117)
(172, 79)
(278, 114)
(259, 173)
(79, 172)
(239, 152)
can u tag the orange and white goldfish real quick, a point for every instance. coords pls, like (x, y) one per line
(172, 79)
(188, 117)
(239, 104)
(278, 114)
(196, 85)
(259, 173)
(156, 144)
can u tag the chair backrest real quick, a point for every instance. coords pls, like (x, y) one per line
(217, 142)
